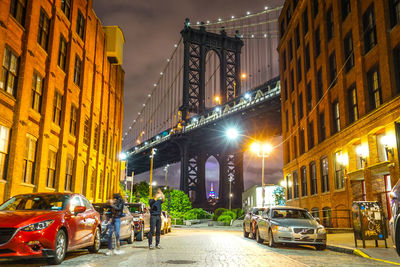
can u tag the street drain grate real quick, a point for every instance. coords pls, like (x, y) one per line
(179, 262)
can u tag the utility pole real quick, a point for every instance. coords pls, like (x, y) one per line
(153, 152)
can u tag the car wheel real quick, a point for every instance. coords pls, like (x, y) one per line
(271, 241)
(245, 234)
(96, 243)
(60, 248)
(320, 247)
(131, 238)
(140, 235)
(258, 238)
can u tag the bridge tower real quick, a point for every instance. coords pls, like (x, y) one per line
(197, 43)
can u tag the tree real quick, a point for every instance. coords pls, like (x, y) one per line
(142, 188)
(279, 194)
(180, 202)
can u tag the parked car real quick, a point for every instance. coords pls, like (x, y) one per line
(48, 225)
(394, 223)
(127, 228)
(141, 219)
(166, 221)
(250, 222)
(290, 225)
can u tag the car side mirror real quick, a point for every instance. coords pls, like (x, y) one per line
(79, 209)
(317, 219)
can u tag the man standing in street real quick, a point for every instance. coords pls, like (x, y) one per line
(155, 218)
(114, 223)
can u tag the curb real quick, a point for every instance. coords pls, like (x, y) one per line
(356, 252)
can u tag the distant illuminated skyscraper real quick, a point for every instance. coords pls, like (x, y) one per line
(211, 194)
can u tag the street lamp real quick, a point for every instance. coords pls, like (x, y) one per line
(123, 157)
(263, 151)
(166, 176)
(153, 152)
(230, 179)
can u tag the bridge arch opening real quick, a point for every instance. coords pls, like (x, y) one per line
(212, 179)
(212, 81)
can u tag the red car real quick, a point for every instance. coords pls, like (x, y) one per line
(48, 225)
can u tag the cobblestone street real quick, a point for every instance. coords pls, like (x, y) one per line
(207, 247)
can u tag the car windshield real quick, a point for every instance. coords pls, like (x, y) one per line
(36, 202)
(102, 208)
(259, 211)
(290, 214)
(135, 208)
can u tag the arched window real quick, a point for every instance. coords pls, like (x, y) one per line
(313, 178)
(324, 174)
(315, 212)
(327, 217)
(303, 177)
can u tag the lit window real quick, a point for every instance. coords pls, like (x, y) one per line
(51, 168)
(37, 90)
(73, 120)
(17, 10)
(303, 173)
(369, 29)
(66, 7)
(324, 175)
(29, 160)
(44, 28)
(68, 174)
(4, 139)
(57, 106)
(80, 25)
(78, 71)
(62, 53)
(339, 177)
(9, 75)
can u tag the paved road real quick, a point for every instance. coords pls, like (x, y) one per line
(207, 247)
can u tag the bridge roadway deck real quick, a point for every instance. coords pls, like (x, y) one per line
(207, 247)
(261, 120)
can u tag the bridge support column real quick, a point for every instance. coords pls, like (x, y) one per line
(238, 184)
(183, 148)
(201, 199)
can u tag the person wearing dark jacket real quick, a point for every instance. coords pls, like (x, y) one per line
(114, 223)
(155, 218)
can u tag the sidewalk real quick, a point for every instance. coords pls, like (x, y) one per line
(344, 242)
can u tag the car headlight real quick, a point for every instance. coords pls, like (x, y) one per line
(37, 226)
(321, 230)
(283, 228)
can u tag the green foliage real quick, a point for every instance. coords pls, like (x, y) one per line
(180, 202)
(238, 212)
(226, 219)
(142, 188)
(218, 212)
(229, 213)
(196, 214)
(279, 194)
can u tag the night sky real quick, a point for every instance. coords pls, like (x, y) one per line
(151, 28)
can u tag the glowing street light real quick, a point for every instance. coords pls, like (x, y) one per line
(232, 133)
(243, 76)
(217, 100)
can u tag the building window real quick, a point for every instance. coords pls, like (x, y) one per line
(9, 75)
(329, 24)
(297, 35)
(348, 51)
(4, 137)
(303, 173)
(77, 71)
(289, 187)
(44, 29)
(353, 108)
(335, 116)
(310, 135)
(293, 113)
(66, 7)
(382, 152)
(101, 186)
(322, 127)
(294, 147)
(86, 131)
(317, 43)
(305, 21)
(290, 50)
(51, 169)
(284, 60)
(374, 88)
(299, 70)
(96, 137)
(302, 145)
(291, 81)
(29, 160)
(320, 88)
(309, 97)
(327, 217)
(68, 174)
(339, 177)
(57, 107)
(324, 175)
(17, 10)
(92, 182)
(332, 69)
(315, 10)
(346, 9)
(295, 184)
(80, 25)
(110, 152)
(103, 147)
(301, 112)
(307, 63)
(394, 12)
(287, 120)
(396, 57)
(37, 89)
(313, 178)
(286, 90)
(315, 212)
(73, 120)
(62, 53)
(369, 29)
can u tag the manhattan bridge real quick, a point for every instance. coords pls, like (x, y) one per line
(221, 74)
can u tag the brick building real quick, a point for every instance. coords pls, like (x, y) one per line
(61, 93)
(340, 76)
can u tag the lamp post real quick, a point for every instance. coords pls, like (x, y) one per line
(153, 152)
(262, 150)
(166, 175)
(123, 157)
(230, 179)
